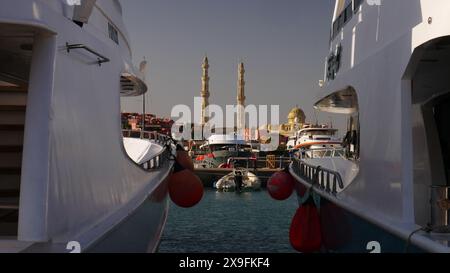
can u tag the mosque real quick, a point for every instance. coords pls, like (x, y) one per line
(295, 119)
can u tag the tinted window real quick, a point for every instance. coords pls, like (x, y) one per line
(113, 34)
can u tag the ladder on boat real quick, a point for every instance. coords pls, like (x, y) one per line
(12, 123)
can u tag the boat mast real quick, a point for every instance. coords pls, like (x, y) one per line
(143, 70)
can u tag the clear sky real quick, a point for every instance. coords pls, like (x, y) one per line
(282, 42)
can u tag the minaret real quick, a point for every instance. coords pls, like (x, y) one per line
(205, 92)
(241, 98)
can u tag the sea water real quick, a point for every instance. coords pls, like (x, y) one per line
(228, 222)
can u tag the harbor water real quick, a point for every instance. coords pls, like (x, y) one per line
(228, 222)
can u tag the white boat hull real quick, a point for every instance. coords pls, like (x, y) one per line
(77, 183)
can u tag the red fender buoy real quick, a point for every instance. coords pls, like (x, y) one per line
(281, 185)
(200, 158)
(305, 233)
(184, 159)
(185, 188)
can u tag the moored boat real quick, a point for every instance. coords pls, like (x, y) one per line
(316, 139)
(389, 192)
(69, 181)
(239, 180)
(219, 148)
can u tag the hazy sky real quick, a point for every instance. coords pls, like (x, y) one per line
(282, 42)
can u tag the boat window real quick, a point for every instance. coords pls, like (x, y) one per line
(345, 17)
(113, 33)
(345, 102)
(356, 5)
(335, 29)
(321, 132)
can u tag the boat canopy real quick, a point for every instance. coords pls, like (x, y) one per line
(229, 139)
(340, 102)
(319, 129)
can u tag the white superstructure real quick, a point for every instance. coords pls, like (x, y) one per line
(314, 138)
(63, 70)
(224, 139)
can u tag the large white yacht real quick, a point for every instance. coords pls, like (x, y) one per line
(219, 148)
(69, 181)
(314, 137)
(387, 72)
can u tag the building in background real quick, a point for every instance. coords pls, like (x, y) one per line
(295, 121)
(133, 121)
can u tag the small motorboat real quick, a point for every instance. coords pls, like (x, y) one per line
(239, 180)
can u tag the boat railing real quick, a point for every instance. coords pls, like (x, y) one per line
(326, 179)
(205, 164)
(158, 160)
(320, 153)
(100, 58)
(268, 162)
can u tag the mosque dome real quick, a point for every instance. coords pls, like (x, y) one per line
(296, 115)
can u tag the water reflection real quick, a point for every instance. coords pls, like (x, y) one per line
(230, 222)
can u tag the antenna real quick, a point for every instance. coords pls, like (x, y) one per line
(143, 67)
(143, 70)
(316, 117)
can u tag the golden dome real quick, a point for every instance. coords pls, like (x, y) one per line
(296, 115)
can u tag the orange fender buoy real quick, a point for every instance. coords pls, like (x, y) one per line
(281, 185)
(305, 231)
(185, 188)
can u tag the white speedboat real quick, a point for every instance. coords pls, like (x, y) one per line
(239, 180)
(69, 182)
(387, 72)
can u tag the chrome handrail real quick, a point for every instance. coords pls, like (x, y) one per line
(317, 175)
(100, 58)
